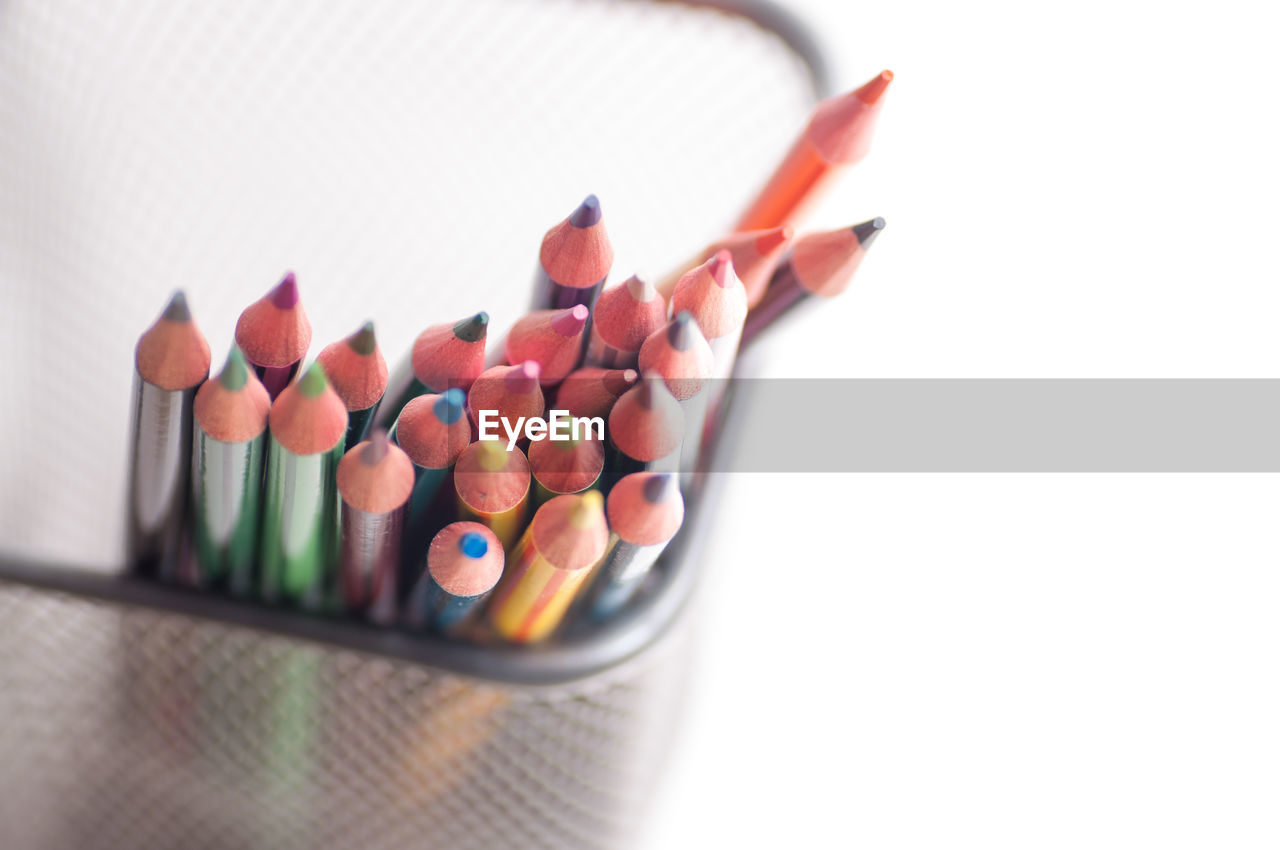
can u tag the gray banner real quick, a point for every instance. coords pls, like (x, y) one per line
(1003, 426)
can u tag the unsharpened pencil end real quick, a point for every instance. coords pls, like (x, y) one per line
(524, 378)
(472, 329)
(587, 213)
(285, 295)
(871, 92)
(363, 341)
(473, 545)
(681, 330)
(313, 382)
(868, 231)
(177, 310)
(448, 408)
(235, 373)
(375, 448)
(570, 321)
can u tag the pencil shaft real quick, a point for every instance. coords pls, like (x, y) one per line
(226, 495)
(159, 482)
(300, 525)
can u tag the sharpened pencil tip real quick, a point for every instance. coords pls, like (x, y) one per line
(177, 310)
(720, 266)
(648, 387)
(587, 213)
(473, 545)
(570, 320)
(772, 239)
(589, 505)
(285, 295)
(658, 488)
(448, 408)
(681, 330)
(375, 448)
(874, 89)
(868, 231)
(524, 377)
(472, 329)
(363, 341)
(641, 290)
(235, 373)
(313, 381)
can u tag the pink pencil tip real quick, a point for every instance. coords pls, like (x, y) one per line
(570, 321)
(285, 295)
(720, 266)
(524, 377)
(773, 239)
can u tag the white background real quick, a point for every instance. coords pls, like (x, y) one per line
(1012, 661)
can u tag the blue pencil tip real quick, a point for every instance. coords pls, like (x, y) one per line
(448, 408)
(473, 545)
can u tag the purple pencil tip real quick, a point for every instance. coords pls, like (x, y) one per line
(681, 330)
(569, 322)
(376, 449)
(524, 377)
(868, 231)
(587, 213)
(285, 295)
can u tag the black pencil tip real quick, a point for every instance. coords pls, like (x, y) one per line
(680, 331)
(472, 329)
(587, 213)
(177, 309)
(868, 231)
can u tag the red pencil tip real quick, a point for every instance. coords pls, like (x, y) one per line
(720, 266)
(570, 321)
(773, 239)
(524, 377)
(285, 295)
(376, 448)
(872, 91)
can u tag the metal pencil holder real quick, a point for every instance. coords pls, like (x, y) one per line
(405, 159)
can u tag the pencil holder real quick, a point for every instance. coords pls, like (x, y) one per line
(404, 159)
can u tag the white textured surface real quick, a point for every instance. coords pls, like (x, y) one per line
(403, 158)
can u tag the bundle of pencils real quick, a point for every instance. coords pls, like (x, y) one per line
(476, 497)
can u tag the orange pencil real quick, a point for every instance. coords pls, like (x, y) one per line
(552, 339)
(358, 373)
(566, 539)
(274, 333)
(624, 317)
(838, 136)
(821, 264)
(591, 391)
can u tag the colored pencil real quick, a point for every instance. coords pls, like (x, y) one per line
(718, 302)
(645, 511)
(624, 317)
(645, 429)
(566, 539)
(492, 488)
(227, 463)
(464, 563)
(680, 354)
(375, 480)
(755, 254)
(274, 333)
(443, 356)
(550, 338)
(358, 373)
(433, 430)
(512, 391)
(300, 526)
(838, 136)
(171, 360)
(574, 260)
(562, 467)
(591, 391)
(821, 264)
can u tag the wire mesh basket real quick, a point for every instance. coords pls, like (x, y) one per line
(404, 159)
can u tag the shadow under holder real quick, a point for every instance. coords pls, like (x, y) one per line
(562, 660)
